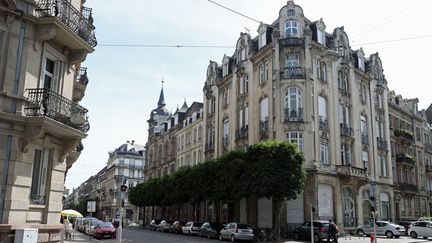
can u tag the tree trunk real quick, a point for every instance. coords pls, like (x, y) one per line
(178, 210)
(278, 211)
(153, 212)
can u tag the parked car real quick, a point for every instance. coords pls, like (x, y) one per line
(405, 224)
(210, 230)
(420, 229)
(164, 225)
(90, 225)
(192, 228)
(104, 230)
(320, 230)
(236, 231)
(385, 228)
(177, 226)
(153, 224)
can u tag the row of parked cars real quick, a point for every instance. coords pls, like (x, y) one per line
(232, 231)
(383, 228)
(95, 227)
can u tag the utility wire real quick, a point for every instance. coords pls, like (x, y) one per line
(232, 10)
(165, 46)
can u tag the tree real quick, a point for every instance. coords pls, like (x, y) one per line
(274, 169)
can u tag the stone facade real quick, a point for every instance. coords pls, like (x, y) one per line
(41, 121)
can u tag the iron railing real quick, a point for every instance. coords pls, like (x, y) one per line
(346, 131)
(323, 124)
(408, 187)
(382, 143)
(292, 41)
(46, 103)
(81, 77)
(242, 133)
(404, 157)
(293, 115)
(209, 147)
(293, 72)
(406, 134)
(264, 125)
(64, 11)
(37, 199)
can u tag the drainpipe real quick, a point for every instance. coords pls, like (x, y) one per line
(6, 162)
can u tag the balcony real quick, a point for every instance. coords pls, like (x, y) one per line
(264, 125)
(405, 158)
(292, 41)
(364, 138)
(80, 84)
(60, 20)
(407, 187)
(382, 144)
(351, 171)
(293, 73)
(209, 147)
(404, 134)
(293, 115)
(346, 131)
(46, 103)
(242, 133)
(323, 124)
(37, 199)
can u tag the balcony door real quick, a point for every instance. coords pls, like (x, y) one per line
(52, 70)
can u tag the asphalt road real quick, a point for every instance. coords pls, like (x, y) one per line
(141, 235)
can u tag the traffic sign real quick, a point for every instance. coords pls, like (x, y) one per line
(91, 206)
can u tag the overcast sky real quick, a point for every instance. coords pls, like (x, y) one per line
(125, 82)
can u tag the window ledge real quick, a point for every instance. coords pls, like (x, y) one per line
(35, 206)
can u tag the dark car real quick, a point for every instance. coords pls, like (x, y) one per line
(177, 226)
(210, 230)
(104, 230)
(405, 224)
(153, 224)
(320, 230)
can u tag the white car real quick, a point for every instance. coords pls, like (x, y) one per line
(192, 228)
(420, 229)
(385, 228)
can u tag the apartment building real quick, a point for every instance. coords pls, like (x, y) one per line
(43, 44)
(296, 81)
(411, 152)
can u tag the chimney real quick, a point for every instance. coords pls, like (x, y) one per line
(133, 141)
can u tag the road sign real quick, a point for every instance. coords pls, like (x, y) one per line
(91, 206)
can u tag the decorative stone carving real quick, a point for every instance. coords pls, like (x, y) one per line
(45, 32)
(31, 133)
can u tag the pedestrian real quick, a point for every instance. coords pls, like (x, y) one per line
(332, 231)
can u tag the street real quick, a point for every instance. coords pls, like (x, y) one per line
(141, 235)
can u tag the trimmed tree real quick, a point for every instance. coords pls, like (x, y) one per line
(274, 169)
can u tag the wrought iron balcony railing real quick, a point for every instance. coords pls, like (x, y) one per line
(323, 124)
(242, 133)
(364, 138)
(346, 131)
(293, 72)
(408, 187)
(81, 77)
(46, 103)
(209, 147)
(64, 11)
(293, 115)
(37, 199)
(382, 143)
(292, 41)
(405, 134)
(264, 125)
(404, 157)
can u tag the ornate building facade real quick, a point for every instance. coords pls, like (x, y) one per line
(42, 46)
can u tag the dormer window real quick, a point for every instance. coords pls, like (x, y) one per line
(225, 69)
(291, 12)
(243, 54)
(262, 41)
(360, 63)
(321, 36)
(291, 28)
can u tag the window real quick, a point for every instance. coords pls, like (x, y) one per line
(296, 138)
(266, 71)
(318, 68)
(244, 84)
(293, 104)
(225, 131)
(262, 40)
(243, 117)
(225, 69)
(321, 36)
(291, 12)
(292, 61)
(322, 112)
(264, 114)
(261, 73)
(225, 97)
(324, 153)
(385, 206)
(346, 154)
(348, 207)
(363, 125)
(380, 99)
(344, 115)
(342, 80)
(360, 63)
(363, 93)
(365, 156)
(39, 176)
(291, 29)
(323, 71)
(380, 127)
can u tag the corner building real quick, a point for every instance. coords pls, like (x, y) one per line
(42, 46)
(298, 82)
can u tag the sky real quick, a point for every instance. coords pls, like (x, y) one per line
(125, 81)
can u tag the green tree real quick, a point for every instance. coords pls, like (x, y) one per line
(274, 169)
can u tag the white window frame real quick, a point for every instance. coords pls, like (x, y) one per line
(346, 154)
(296, 138)
(291, 28)
(292, 61)
(324, 153)
(262, 39)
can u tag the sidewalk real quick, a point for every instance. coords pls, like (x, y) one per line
(80, 237)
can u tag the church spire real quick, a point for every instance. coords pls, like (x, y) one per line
(161, 102)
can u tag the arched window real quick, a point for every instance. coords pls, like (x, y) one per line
(291, 28)
(291, 12)
(342, 80)
(293, 104)
(261, 73)
(318, 68)
(323, 71)
(348, 207)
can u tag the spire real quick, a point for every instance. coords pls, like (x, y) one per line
(184, 107)
(161, 102)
